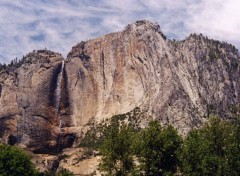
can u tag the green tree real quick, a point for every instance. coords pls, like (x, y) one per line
(172, 143)
(116, 150)
(205, 151)
(15, 162)
(233, 150)
(159, 149)
(195, 149)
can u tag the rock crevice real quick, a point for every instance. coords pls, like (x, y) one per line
(47, 103)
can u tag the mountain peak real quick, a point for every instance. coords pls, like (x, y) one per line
(142, 26)
(180, 83)
(145, 23)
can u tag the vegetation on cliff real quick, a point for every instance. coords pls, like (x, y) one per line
(156, 150)
(16, 162)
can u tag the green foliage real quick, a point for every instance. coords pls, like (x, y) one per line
(210, 150)
(117, 152)
(159, 149)
(15, 162)
(90, 139)
(96, 135)
(61, 172)
(48, 173)
(155, 148)
(64, 172)
(194, 151)
(233, 152)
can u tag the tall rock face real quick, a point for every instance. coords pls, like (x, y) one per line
(47, 103)
(28, 114)
(115, 73)
(177, 82)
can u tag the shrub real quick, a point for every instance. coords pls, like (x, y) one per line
(15, 162)
(64, 172)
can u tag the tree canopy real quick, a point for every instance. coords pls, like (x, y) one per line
(15, 162)
(212, 150)
(159, 151)
(117, 152)
(154, 148)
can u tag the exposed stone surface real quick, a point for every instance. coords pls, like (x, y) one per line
(177, 82)
(45, 162)
(27, 103)
(80, 162)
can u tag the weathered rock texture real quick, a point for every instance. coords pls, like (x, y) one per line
(177, 82)
(28, 116)
(80, 162)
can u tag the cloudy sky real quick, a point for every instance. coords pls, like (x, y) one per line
(26, 25)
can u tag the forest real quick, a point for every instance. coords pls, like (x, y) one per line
(126, 150)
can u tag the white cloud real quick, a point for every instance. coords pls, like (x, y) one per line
(216, 18)
(58, 25)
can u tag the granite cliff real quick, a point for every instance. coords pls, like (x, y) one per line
(47, 103)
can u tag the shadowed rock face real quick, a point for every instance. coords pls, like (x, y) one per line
(177, 82)
(27, 114)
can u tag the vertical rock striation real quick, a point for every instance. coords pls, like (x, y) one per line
(28, 102)
(177, 82)
(47, 102)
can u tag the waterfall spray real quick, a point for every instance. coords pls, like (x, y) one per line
(58, 93)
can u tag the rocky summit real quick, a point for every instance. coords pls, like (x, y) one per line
(47, 103)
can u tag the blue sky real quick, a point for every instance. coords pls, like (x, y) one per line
(26, 25)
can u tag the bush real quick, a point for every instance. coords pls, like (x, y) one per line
(64, 172)
(61, 172)
(15, 162)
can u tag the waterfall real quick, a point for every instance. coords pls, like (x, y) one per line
(58, 93)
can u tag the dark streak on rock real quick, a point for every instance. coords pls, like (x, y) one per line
(140, 59)
(12, 139)
(2, 126)
(64, 102)
(85, 60)
(81, 76)
(0, 90)
(53, 84)
(102, 65)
